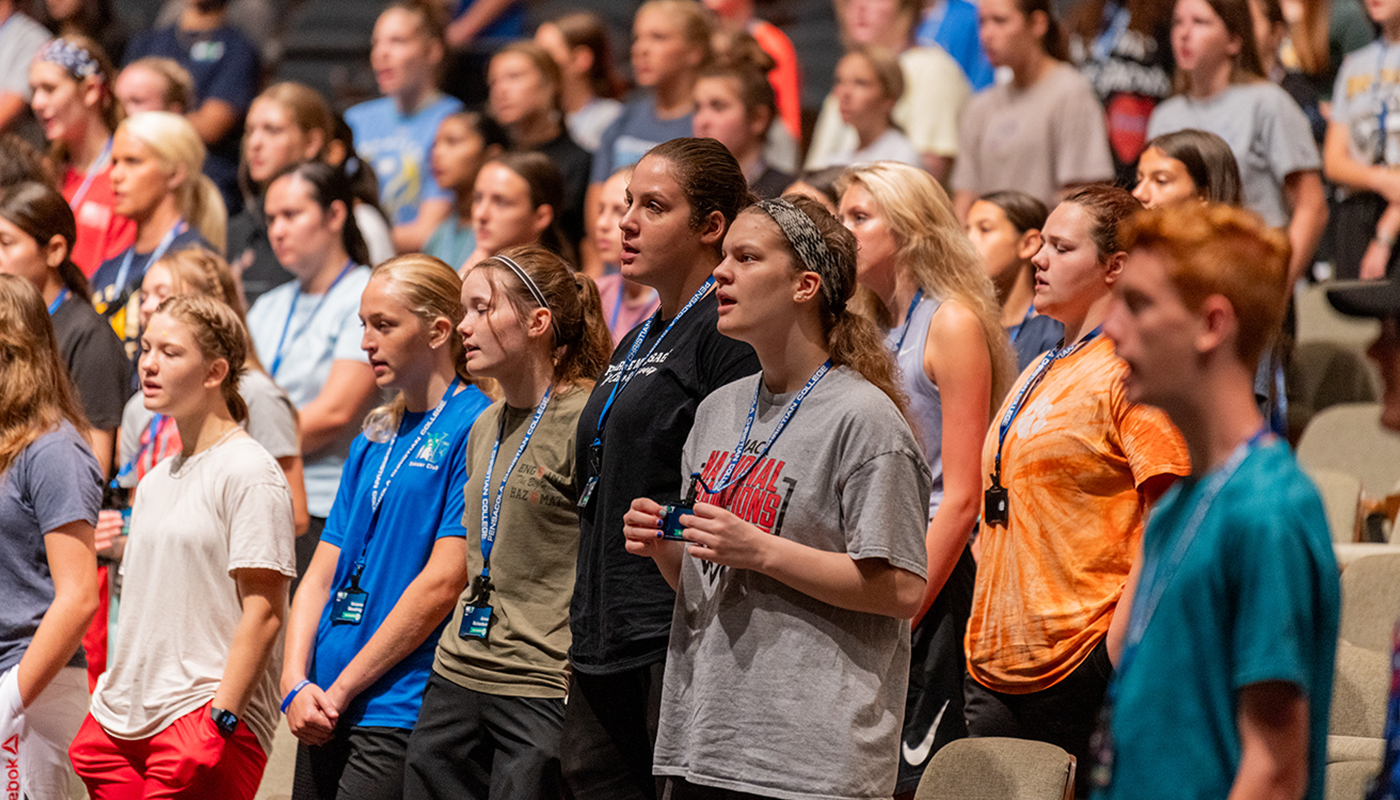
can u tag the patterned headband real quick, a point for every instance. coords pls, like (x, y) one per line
(525, 279)
(810, 245)
(74, 59)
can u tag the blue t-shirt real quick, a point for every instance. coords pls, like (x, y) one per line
(121, 304)
(635, 131)
(397, 146)
(1255, 599)
(52, 482)
(955, 30)
(425, 503)
(507, 26)
(225, 66)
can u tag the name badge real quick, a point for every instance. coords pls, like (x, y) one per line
(476, 622)
(348, 607)
(998, 505)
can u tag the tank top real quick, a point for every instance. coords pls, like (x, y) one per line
(925, 402)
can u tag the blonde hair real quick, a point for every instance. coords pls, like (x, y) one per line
(195, 270)
(35, 392)
(219, 333)
(175, 143)
(935, 251)
(430, 289)
(692, 19)
(179, 83)
(306, 107)
(885, 64)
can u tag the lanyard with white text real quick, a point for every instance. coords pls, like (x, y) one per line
(282, 340)
(119, 285)
(491, 513)
(727, 478)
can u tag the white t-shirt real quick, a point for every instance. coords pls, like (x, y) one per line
(888, 146)
(321, 330)
(195, 521)
(20, 38)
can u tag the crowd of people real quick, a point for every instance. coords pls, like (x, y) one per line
(958, 412)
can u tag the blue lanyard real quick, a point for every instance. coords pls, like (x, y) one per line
(909, 317)
(92, 173)
(617, 306)
(1041, 370)
(725, 479)
(58, 301)
(491, 513)
(1030, 310)
(1154, 579)
(282, 340)
(629, 368)
(1117, 18)
(1383, 100)
(119, 285)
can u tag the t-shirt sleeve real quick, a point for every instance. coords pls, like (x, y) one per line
(129, 438)
(1081, 138)
(1150, 441)
(236, 78)
(884, 510)
(63, 482)
(602, 167)
(261, 531)
(23, 41)
(1287, 136)
(1275, 588)
(939, 91)
(102, 373)
(1341, 106)
(724, 360)
(454, 508)
(272, 419)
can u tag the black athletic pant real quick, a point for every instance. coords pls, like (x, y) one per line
(469, 744)
(609, 734)
(358, 764)
(1065, 715)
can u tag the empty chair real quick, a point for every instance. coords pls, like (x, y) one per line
(998, 769)
(1324, 374)
(1318, 321)
(1349, 438)
(1341, 497)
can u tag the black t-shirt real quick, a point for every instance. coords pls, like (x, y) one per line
(574, 163)
(621, 611)
(96, 362)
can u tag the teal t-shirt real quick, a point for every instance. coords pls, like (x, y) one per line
(1255, 599)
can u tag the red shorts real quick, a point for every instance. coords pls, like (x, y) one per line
(188, 760)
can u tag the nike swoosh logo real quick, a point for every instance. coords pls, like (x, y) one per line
(906, 351)
(916, 756)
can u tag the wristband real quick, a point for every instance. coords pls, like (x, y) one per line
(1387, 241)
(287, 701)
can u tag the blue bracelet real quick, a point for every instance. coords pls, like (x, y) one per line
(287, 701)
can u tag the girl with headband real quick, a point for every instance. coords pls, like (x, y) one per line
(71, 80)
(392, 559)
(771, 553)
(497, 687)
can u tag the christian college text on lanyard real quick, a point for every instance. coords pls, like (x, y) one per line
(349, 604)
(627, 371)
(998, 502)
(282, 340)
(476, 615)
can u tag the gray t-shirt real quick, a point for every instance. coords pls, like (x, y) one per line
(1266, 130)
(1036, 139)
(196, 521)
(20, 38)
(52, 482)
(1367, 94)
(768, 690)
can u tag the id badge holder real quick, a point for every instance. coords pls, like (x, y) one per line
(348, 605)
(998, 504)
(595, 460)
(476, 621)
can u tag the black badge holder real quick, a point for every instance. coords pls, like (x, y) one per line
(348, 607)
(671, 527)
(477, 613)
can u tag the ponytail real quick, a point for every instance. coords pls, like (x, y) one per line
(585, 357)
(219, 333)
(203, 208)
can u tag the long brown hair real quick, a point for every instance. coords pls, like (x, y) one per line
(935, 251)
(1245, 67)
(35, 392)
(582, 343)
(219, 333)
(585, 29)
(852, 339)
(546, 186)
(104, 77)
(42, 213)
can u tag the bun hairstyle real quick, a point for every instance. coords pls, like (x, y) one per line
(745, 62)
(35, 391)
(220, 334)
(176, 144)
(582, 343)
(42, 213)
(432, 290)
(817, 242)
(1108, 207)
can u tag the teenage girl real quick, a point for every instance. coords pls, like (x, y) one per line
(154, 83)
(869, 82)
(50, 491)
(515, 201)
(156, 180)
(71, 83)
(681, 199)
(734, 103)
(496, 694)
(464, 142)
(1005, 229)
(954, 365)
(625, 302)
(392, 559)
(579, 44)
(189, 704)
(784, 588)
(1184, 165)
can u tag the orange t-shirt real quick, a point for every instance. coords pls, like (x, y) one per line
(1073, 463)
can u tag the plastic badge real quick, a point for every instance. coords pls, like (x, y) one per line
(476, 622)
(349, 606)
(997, 510)
(671, 527)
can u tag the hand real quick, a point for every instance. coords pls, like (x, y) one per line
(196, 756)
(311, 716)
(722, 538)
(1374, 262)
(642, 527)
(109, 528)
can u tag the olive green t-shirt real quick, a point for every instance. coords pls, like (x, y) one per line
(525, 652)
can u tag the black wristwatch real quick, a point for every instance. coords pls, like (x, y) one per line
(225, 721)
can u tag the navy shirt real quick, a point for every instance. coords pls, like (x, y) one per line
(53, 482)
